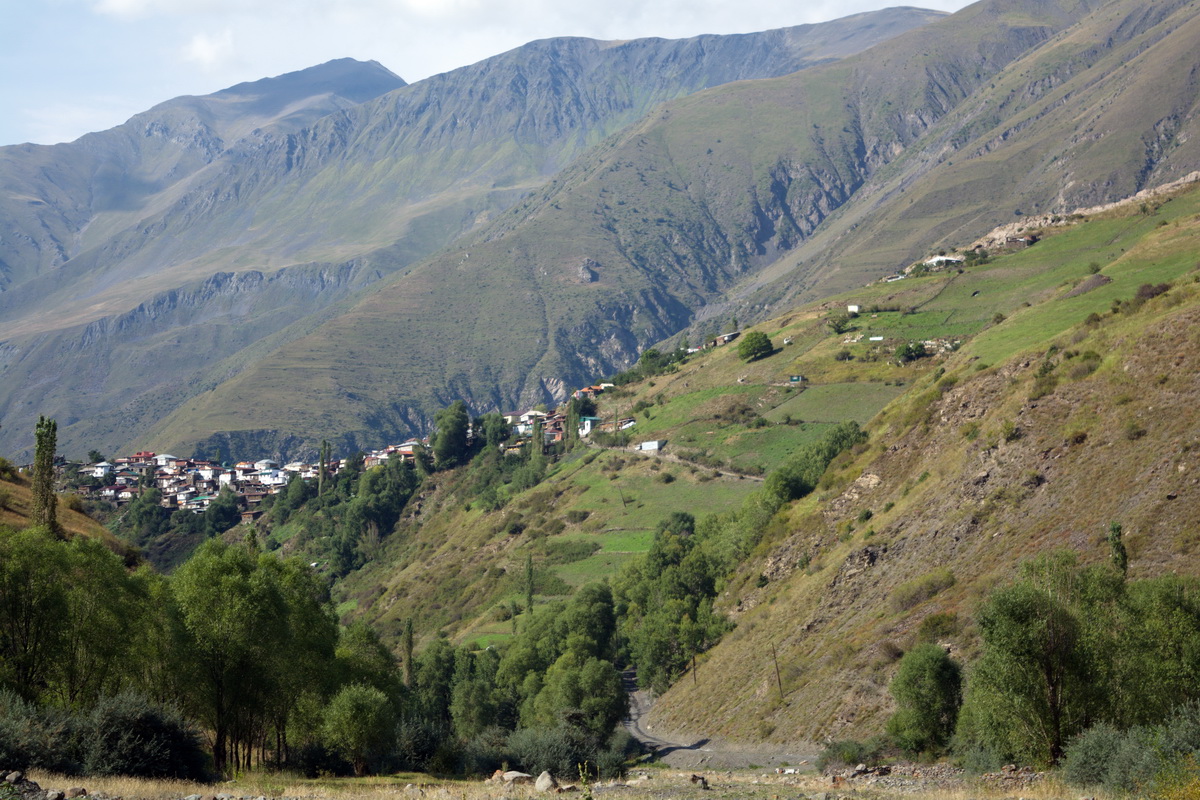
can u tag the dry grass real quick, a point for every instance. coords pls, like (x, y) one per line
(657, 784)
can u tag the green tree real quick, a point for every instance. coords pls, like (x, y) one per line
(928, 692)
(755, 345)
(358, 724)
(236, 623)
(590, 686)
(323, 468)
(839, 323)
(95, 457)
(910, 351)
(45, 502)
(1116, 546)
(473, 707)
(363, 658)
(222, 513)
(450, 439)
(104, 614)
(407, 643)
(1040, 679)
(800, 474)
(33, 607)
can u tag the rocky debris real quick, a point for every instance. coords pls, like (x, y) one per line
(18, 787)
(588, 271)
(1011, 777)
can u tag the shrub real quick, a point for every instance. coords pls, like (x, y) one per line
(847, 753)
(569, 551)
(928, 693)
(560, 750)
(129, 735)
(1042, 386)
(577, 516)
(485, 753)
(35, 738)
(417, 742)
(1147, 290)
(918, 590)
(1090, 756)
(937, 626)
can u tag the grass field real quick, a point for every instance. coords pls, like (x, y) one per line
(837, 402)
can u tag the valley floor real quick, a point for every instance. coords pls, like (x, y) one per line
(912, 782)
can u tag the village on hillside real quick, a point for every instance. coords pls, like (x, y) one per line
(193, 484)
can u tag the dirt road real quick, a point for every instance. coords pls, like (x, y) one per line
(704, 753)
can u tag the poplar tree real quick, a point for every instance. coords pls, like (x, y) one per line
(322, 467)
(45, 503)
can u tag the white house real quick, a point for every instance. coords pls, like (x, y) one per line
(653, 444)
(587, 425)
(852, 309)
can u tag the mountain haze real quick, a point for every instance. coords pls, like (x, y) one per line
(364, 191)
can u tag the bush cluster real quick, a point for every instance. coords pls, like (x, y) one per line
(124, 734)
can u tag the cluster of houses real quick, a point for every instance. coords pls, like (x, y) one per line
(554, 424)
(187, 483)
(194, 484)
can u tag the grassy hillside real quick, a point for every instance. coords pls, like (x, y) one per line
(1037, 433)
(1063, 400)
(16, 504)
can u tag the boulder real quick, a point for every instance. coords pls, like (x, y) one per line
(14, 777)
(75, 791)
(514, 777)
(54, 794)
(545, 782)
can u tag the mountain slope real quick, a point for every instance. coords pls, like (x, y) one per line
(1037, 434)
(1058, 398)
(378, 185)
(1105, 111)
(634, 243)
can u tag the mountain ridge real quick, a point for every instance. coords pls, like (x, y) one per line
(220, 223)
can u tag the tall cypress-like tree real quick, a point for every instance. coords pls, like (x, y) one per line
(45, 503)
(322, 467)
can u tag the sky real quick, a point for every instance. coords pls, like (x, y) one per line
(68, 67)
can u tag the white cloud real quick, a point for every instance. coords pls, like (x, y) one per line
(210, 51)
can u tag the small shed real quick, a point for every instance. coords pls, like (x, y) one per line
(653, 444)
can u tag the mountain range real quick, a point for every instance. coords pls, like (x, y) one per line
(334, 254)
